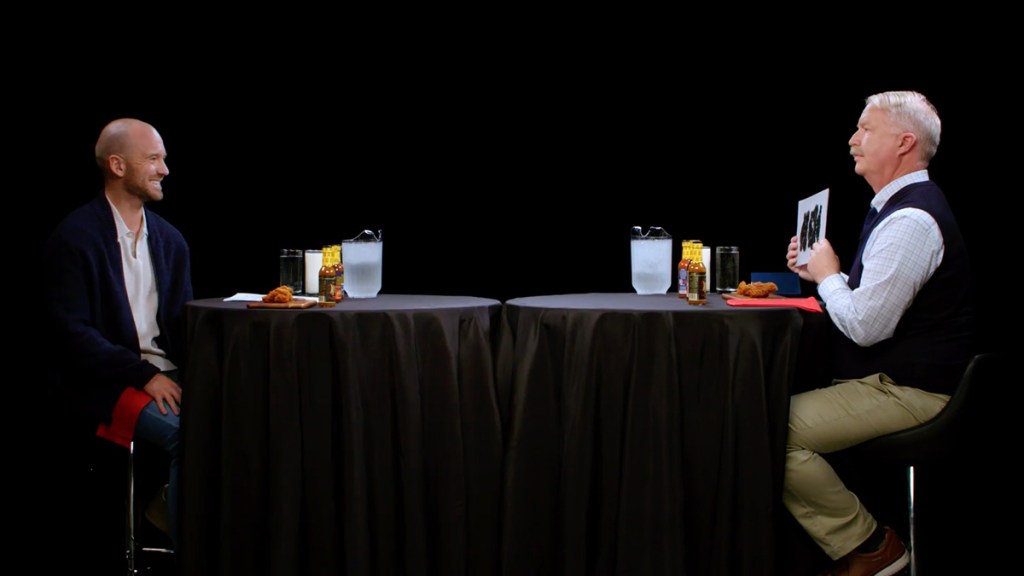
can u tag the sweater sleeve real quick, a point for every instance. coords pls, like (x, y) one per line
(82, 317)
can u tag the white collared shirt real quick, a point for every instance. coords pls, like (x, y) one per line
(901, 254)
(140, 283)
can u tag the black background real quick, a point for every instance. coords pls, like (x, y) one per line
(502, 180)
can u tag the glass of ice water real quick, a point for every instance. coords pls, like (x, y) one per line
(651, 256)
(362, 257)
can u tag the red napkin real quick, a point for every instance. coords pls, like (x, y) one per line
(810, 303)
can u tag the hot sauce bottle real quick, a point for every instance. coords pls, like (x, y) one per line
(697, 281)
(325, 297)
(339, 274)
(684, 270)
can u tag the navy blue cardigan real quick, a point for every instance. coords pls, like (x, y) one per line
(96, 347)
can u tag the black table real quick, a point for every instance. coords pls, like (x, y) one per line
(644, 435)
(359, 439)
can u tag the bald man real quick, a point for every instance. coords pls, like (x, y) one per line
(120, 281)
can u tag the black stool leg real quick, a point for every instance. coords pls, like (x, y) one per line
(139, 558)
(913, 527)
(130, 513)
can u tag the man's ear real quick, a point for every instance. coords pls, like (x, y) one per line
(116, 165)
(907, 142)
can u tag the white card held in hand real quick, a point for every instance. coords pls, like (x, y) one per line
(811, 215)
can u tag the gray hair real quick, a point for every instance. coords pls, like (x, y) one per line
(912, 112)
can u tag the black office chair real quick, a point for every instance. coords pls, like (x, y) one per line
(938, 438)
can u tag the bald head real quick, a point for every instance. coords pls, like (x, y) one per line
(121, 137)
(133, 160)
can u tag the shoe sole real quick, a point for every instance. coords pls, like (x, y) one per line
(157, 523)
(896, 567)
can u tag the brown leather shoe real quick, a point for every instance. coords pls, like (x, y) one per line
(157, 512)
(889, 559)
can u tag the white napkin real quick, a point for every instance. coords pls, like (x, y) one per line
(247, 297)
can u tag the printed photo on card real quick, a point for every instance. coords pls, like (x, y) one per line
(811, 215)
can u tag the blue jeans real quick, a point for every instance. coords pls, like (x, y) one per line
(162, 431)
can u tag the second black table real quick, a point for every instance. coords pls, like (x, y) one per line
(645, 435)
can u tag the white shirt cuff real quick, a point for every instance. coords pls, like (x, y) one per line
(831, 285)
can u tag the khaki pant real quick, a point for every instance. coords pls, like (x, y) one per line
(831, 419)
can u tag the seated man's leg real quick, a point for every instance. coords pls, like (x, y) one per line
(162, 431)
(835, 418)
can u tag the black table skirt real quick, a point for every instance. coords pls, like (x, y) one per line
(644, 435)
(360, 439)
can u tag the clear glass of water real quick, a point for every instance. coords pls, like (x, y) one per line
(291, 270)
(727, 262)
(362, 257)
(651, 259)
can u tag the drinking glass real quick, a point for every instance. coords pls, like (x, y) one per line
(291, 270)
(727, 262)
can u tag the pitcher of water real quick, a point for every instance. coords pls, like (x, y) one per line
(362, 258)
(651, 255)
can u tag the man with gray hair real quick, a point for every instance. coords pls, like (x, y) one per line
(905, 330)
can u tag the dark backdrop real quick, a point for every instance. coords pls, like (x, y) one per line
(504, 182)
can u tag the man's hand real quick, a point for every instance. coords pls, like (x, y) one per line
(823, 262)
(791, 260)
(164, 391)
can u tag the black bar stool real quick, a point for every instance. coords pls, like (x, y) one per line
(938, 438)
(134, 551)
(109, 464)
